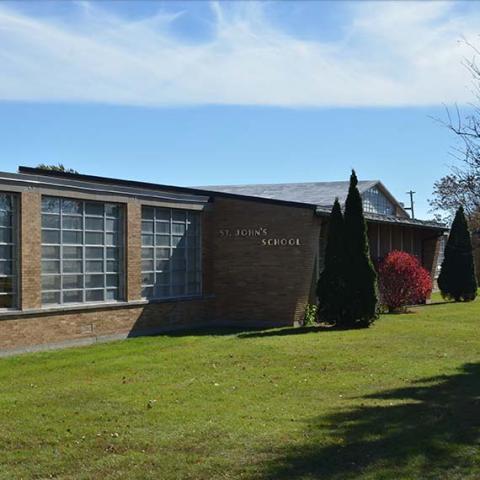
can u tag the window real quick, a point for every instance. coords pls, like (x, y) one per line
(171, 253)
(8, 257)
(82, 251)
(375, 201)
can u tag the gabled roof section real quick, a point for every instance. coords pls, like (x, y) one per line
(314, 193)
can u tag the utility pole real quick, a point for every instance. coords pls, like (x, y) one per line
(412, 203)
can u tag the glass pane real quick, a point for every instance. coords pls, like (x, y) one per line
(112, 266)
(72, 238)
(178, 262)
(94, 295)
(93, 266)
(5, 235)
(6, 252)
(147, 240)
(94, 252)
(72, 281)
(193, 288)
(72, 266)
(72, 252)
(112, 210)
(50, 236)
(94, 224)
(5, 202)
(71, 206)
(178, 228)
(50, 205)
(111, 238)
(50, 221)
(6, 284)
(163, 253)
(112, 280)
(6, 301)
(92, 208)
(162, 240)
(179, 215)
(51, 282)
(93, 238)
(72, 296)
(112, 294)
(111, 225)
(147, 213)
(50, 297)
(178, 241)
(162, 264)
(50, 266)
(148, 279)
(5, 267)
(162, 278)
(72, 223)
(112, 252)
(162, 214)
(178, 278)
(147, 227)
(162, 227)
(147, 253)
(5, 219)
(147, 266)
(94, 281)
(162, 291)
(147, 292)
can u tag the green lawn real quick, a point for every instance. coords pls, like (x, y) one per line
(400, 400)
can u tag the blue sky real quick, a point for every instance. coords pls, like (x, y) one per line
(199, 93)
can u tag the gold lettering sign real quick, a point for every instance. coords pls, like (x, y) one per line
(256, 232)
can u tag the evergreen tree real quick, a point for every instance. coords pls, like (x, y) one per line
(457, 279)
(331, 284)
(361, 292)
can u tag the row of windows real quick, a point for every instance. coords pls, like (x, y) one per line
(83, 252)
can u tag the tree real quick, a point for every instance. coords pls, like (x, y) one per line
(331, 284)
(457, 279)
(361, 279)
(461, 187)
(56, 168)
(402, 281)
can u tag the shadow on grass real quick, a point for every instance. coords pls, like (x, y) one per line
(429, 430)
(288, 331)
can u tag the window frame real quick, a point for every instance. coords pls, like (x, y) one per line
(15, 252)
(197, 272)
(120, 246)
(378, 202)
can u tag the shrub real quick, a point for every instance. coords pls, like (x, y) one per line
(361, 292)
(331, 287)
(403, 281)
(457, 280)
(310, 315)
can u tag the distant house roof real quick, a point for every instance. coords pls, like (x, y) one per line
(314, 193)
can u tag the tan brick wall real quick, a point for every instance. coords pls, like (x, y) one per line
(133, 251)
(76, 325)
(30, 250)
(256, 284)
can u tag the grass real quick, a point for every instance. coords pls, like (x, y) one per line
(399, 400)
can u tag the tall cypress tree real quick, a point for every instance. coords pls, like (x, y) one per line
(457, 279)
(331, 284)
(361, 293)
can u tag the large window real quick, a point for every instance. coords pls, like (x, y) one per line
(8, 260)
(171, 256)
(375, 201)
(82, 250)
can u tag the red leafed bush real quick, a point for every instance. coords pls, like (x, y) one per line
(402, 281)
